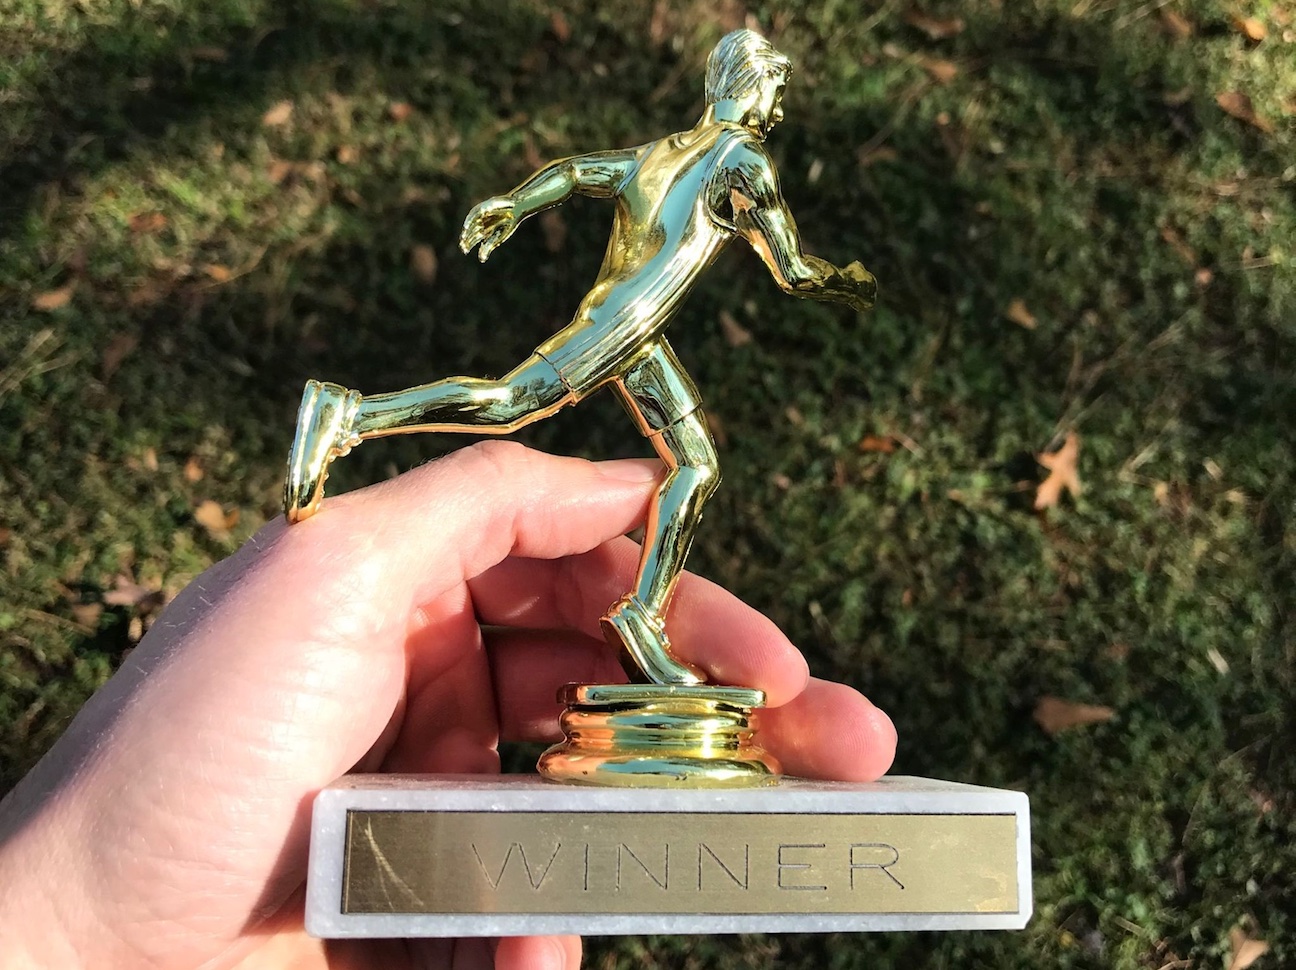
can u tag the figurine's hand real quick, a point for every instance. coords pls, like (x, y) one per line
(408, 627)
(488, 225)
(863, 286)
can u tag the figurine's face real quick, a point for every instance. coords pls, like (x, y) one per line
(767, 106)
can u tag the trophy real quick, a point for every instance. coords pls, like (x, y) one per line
(659, 811)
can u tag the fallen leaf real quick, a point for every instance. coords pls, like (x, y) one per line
(193, 469)
(1246, 949)
(54, 299)
(279, 170)
(934, 27)
(1203, 277)
(1176, 25)
(1252, 28)
(214, 519)
(781, 481)
(560, 27)
(1239, 105)
(1063, 473)
(278, 115)
(423, 263)
(218, 273)
(872, 156)
(118, 349)
(941, 71)
(150, 459)
(1054, 715)
(1176, 242)
(87, 614)
(554, 228)
(5, 535)
(347, 154)
(127, 592)
(794, 416)
(735, 334)
(884, 444)
(1019, 315)
(144, 223)
(399, 110)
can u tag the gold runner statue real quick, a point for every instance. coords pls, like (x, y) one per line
(679, 201)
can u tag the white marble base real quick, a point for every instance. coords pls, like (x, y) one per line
(898, 796)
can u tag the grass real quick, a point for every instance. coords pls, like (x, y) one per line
(1076, 159)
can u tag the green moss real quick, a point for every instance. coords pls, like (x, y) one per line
(1077, 162)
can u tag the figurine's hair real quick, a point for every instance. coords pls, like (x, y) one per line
(741, 60)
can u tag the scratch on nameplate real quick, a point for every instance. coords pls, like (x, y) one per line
(386, 872)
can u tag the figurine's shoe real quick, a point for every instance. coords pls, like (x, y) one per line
(629, 625)
(324, 432)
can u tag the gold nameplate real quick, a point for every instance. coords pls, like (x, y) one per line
(661, 863)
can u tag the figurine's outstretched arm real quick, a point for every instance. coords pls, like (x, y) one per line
(762, 217)
(600, 174)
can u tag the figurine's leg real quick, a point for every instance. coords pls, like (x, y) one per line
(527, 393)
(665, 405)
(333, 419)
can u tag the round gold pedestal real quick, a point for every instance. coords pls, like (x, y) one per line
(655, 736)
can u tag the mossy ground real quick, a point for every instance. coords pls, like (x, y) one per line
(1070, 155)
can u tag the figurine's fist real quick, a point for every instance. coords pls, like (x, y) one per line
(863, 286)
(488, 225)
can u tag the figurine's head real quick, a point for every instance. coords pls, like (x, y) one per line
(747, 72)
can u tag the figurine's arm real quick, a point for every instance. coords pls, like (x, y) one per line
(600, 175)
(762, 217)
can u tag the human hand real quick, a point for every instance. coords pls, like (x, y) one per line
(488, 224)
(168, 827)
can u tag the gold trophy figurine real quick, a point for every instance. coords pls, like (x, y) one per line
(679, 201)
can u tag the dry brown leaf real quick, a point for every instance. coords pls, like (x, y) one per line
(150, 459)
(1252, 28)
(872, 156)
(127, 592)
(278, 115)
(735, 334)
(884, 444)
(193, 469)
(118, 349)
(1176, 242)
(941, 71)
(279, 170)
(1239, 105)
(213, 518)
(1203, 277)
(560, 27)
(347, 154)
(54, 299)
(1019, 315)
(934, 27)
(781, 481)
(423, 263)
(1063, 473)
(87, 614)
(218, 273)
(1176, 25)
(1246, 949)
(1054, 715)
(554, 229)
(144, 223)
(5, 535)
(400, 110)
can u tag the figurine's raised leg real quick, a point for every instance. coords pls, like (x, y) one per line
(665, 405)
(333, 419)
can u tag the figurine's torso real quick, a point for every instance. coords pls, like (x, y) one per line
(669, 226)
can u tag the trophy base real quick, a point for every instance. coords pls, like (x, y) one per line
(511, 855)
(653, 736)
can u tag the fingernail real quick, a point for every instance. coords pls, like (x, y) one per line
(637, 470)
